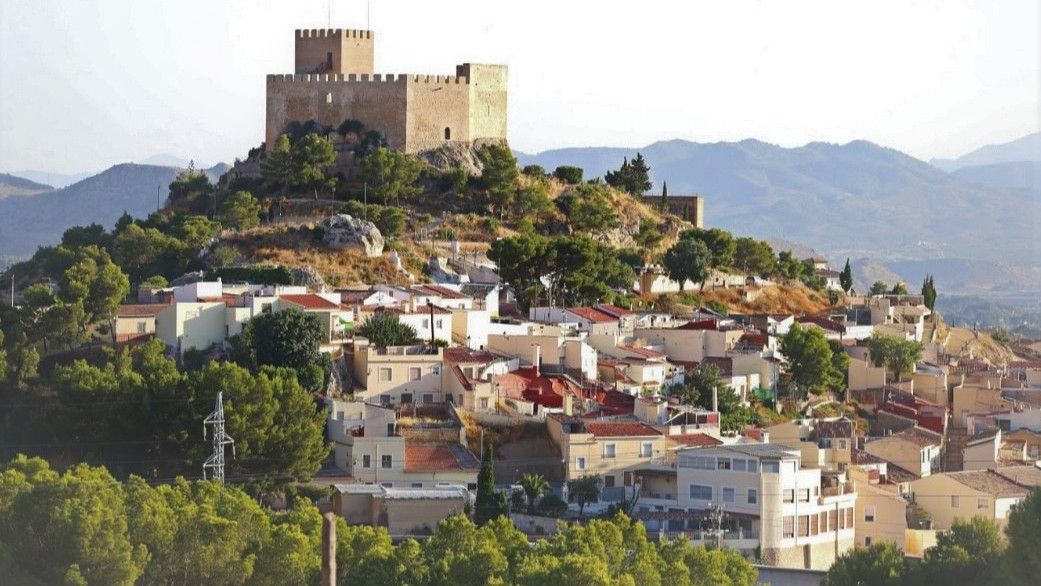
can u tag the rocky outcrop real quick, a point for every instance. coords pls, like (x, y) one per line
(308, 277)
(345, 231)
(456, 155)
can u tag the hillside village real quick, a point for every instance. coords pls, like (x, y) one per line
(466, 336)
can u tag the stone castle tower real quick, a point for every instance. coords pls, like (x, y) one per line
(335, 80)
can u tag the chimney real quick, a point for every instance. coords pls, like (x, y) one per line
(536, 359)
(715, 399)
(569, 405)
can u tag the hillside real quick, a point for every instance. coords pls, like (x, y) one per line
(12, 186)
(857, 199)
(29, 222)
(1010, 175)
(1027, 148)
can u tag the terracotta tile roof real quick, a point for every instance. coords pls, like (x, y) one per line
(612, 309)
(620, 429)
(705, 324)
(1026, 475)
(141, 310)
(695, 439)
(645, 352)
(592, 314)
(989, 482)
(459, 354)
(443, 292)
(354, 295)
(826, 273)
(310, 301)
(922, 438)
(840, 428)
(862, 457)
(437, 457)
(463, 379)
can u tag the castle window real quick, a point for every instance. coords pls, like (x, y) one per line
(448, 133)
(329, 98)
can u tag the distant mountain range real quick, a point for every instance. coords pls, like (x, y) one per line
(857, 199)
(12, 186)
(55, 180)
(1027, 148)
(39, 220)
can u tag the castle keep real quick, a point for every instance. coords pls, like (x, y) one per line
(334, 80)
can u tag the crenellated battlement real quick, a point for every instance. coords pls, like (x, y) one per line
(366, 78)
(324, 33)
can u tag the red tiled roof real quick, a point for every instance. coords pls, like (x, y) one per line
(620, 429)
(612, 309)
(443, 292)
(437, 457)
(592, 314)
(459, 374)
(310, 301)
(141, 310)
(695, 439)
(460, 354)
(645, 352)
(705, 324)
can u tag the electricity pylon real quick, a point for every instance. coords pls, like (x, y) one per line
(220, 439)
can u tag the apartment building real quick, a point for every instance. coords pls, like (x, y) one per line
(792, 516)
(612, 449)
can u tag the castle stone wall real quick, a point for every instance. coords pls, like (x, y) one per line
(378, 101)
(436, 103)
(487, 100)
(349, 50)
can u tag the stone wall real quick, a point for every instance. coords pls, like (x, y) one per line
(811, 556)
(340, 51)
(436, 103)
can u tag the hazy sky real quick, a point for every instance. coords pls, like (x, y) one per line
(84, 85)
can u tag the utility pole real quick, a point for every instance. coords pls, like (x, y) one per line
(220, 439)
(430, 304)
(716, 515)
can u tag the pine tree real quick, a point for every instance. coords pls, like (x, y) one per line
(664, 197)
(846, 278)
(640, 176)
(619, 179)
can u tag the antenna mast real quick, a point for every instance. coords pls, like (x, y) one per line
(220, 439)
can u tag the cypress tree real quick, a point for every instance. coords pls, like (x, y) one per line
(487, 502)
(664, 197)
(846, 277)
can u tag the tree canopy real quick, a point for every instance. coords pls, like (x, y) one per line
(688, 260)
(898, 356)
(811, 360)
(384, 329)
(389, 175)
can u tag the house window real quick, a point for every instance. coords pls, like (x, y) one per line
(981, 503)
(849, 518)
(385, 375)
(814, 528)
(842, 444)
(417, 485)
(415, 373)
(609, 450)
(609, 481)
(770, 467)
(867, 541)
(740, 465)
(366, 461)
(646, 449)
(788, 527)
(428, 398)
(1034, 450)
(728, 495)
(753, 466)
(789, 495)
(426, 324)
(439, 323)
(580, 463)
(484, 403)
(140, 327)
(924, 460)
(387, 484)
(804, 495)
(406, 398)
(386, 460)
(955, 501)
(833, 520)
(869, 514)
(753, 496)
(699, 492)
(723, 464)
(804, 525)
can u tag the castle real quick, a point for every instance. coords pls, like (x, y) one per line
(334, 81)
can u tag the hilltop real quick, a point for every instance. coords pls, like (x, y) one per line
(13, 186)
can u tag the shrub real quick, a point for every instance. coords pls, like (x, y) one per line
(453, 180)
(552, 505)
(255, 274)
(568, 174)
(534, 171)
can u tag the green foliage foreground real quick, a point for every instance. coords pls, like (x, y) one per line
(85, 527)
